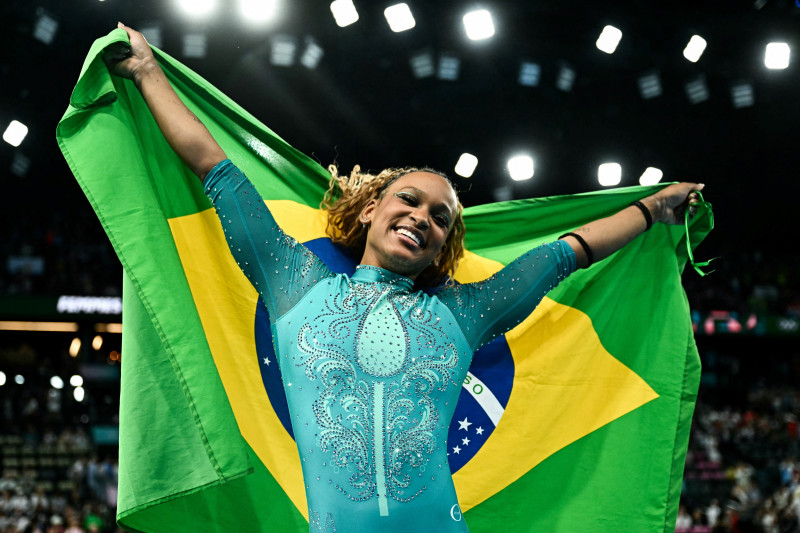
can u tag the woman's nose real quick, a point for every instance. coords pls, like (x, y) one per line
(420, 218)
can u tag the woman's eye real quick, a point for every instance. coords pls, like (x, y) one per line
(406, 197)
(442, 221)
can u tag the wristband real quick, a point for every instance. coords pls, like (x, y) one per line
(586, 249)
(646, 212)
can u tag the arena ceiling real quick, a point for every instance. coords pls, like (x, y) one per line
(363, 105)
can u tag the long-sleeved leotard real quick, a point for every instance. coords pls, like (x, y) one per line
(372, 369)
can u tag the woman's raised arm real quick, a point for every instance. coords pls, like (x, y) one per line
(184, 132)
(605, 236)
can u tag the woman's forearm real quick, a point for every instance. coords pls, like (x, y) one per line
(184, 132)
(607, 235)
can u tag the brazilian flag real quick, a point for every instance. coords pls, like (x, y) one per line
(576, 420)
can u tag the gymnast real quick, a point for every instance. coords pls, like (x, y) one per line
(373, 363)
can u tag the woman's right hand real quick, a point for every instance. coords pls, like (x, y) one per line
(125, 61)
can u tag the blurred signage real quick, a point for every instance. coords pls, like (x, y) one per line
(720, 322)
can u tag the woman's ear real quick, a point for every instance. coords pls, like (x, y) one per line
(366, 214)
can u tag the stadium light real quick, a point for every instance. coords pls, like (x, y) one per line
(19, 379)
(777, 55)
(566, 78)
(529, 74)
(650, 86)
(742, 94)
(76, 381)
(45, 28)
(697, 90)
(56, 382)
(97, 342)
(79, 394)
(520, 167)
(258, 11)
(20, 164)
(344, 12)
(478, 25)
(284, 48)
(399, 17)
(194, 45)
(15, 133)
(449, 66)
(466, 165)
(197, 8)
(154, 33)
(651, 176)
(422, 64)
(609, 174)
(694, 48)
(312, 55)
(609, 39)
(2, 378)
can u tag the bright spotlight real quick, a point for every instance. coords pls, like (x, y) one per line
(479, 25)
(344, 12)
(56, 382)
(15, 133)
(694, 48)
(466, 165)
(19, 379)
(258, 11)
(399, 17)
(197, 8)
(76, 381)
(609, 39)
(520, 167)
(79, 394)
(2, 378)
(777, 56)
(650, 176)
(609, 174)
(97, 342)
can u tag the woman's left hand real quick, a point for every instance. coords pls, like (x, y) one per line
(675, 200)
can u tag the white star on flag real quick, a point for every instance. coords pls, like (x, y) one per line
(267, 361)
(465, 441)
(464, 424)
(479, 430)
(456, 450)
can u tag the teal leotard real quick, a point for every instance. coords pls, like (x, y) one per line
(371, 368)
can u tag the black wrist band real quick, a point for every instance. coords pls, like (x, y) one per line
(646, 212)
(586, 249)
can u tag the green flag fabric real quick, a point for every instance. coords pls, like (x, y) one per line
(576, 420)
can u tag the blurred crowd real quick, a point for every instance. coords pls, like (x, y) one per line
(56, 485)
(743, 466)
(47, 253)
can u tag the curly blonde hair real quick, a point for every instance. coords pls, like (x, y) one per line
(346, 198)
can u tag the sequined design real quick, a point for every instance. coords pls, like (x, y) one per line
(382, 432)
(372, 370)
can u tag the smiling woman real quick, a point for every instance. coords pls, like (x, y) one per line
(353, 202)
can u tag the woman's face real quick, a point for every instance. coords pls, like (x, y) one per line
(409, 223)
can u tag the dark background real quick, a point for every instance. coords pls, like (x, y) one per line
(362, 104)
